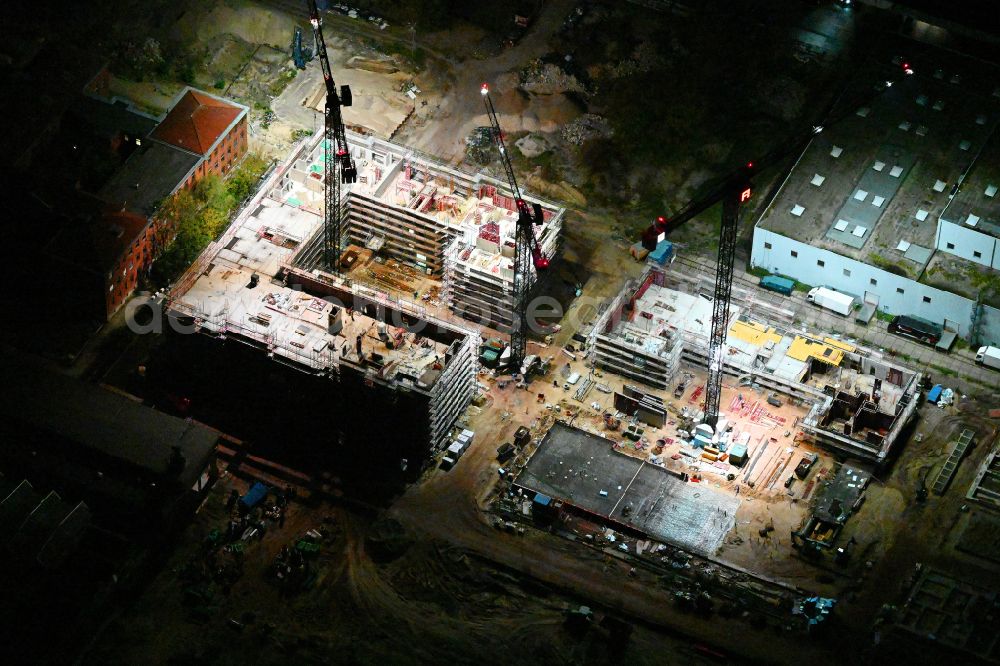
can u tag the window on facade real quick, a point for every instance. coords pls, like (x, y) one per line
(899, 290)
(847, 272)
(873, 282)
(820, 263)
(794, 253)
(767, 246)
(977, 254)
(950, 246)
(927, 299)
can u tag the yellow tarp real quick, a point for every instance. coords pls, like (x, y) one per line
(839, 344)
(803, 348)
(754, 332)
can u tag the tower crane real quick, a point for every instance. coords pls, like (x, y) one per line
(528, 256)
(338, 163)
(734, 191)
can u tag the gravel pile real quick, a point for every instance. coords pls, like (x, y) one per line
(587, 126)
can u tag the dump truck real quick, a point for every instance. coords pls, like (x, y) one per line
(989, 356)
(831, 300)
(778, 284)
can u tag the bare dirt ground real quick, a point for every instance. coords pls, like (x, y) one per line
(442, 132)
(378, 596)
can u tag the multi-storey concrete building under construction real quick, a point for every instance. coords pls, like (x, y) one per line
(445, 223)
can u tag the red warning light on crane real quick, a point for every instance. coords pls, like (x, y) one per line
(745, 195)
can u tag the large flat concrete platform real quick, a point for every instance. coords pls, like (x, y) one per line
(584, 470)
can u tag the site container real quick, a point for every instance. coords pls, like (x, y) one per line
(778, 284)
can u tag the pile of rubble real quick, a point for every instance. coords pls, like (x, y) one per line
(588, 126)
(548, 79)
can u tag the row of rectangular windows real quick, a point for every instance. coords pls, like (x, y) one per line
(847, 272)
(975, 253)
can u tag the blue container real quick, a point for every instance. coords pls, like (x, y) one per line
(935, 393)
(663, 253)
(254, 496)
(778, 284)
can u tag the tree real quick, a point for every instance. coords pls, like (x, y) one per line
(173, 213)
(243, 180)
(211, 192)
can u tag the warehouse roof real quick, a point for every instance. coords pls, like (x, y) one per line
(977, 202)
(872, 185)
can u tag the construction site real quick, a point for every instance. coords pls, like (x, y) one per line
(857, 403)
(415, 226)
(370, 347)
(437, 386)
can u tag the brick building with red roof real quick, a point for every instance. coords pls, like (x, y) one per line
(104, 253)
(201, 134)
(213, 128)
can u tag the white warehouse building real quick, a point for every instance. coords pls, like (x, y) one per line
(897, 204)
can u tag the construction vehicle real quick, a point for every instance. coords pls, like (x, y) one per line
(528, 257)
(806, 464)
(338, 164)
(734, 191)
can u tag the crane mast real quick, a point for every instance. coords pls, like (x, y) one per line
(338, 164)
(528, 253)
(734, 191)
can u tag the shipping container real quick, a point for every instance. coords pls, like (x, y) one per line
(778, 284)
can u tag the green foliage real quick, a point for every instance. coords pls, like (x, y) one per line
(883, 316)
(987, 282)
(219, 84)
(886, 264)
(193, 219)
(138, 59)
(549, 170)
(244, 178)
(185, 72)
